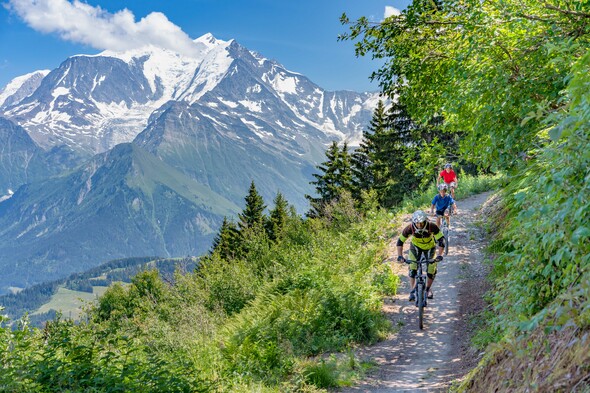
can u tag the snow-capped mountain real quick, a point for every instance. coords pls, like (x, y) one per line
(159, 147)
(92, 103)
(21, 87)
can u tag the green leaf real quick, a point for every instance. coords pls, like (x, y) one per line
(582, 233)
(555, 133)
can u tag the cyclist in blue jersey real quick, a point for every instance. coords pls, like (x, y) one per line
(441, 202)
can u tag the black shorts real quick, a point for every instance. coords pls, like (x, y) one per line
(415, 254)
(441, 213)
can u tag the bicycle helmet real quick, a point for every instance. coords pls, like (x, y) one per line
(448, 165)
(443, 186)
(419, 219)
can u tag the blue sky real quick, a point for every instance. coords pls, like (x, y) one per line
(301, 34)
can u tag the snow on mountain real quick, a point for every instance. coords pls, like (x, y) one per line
(21, 86)
(202, 129)
(92, 103)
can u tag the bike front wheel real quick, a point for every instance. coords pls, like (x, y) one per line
(446, 235)
(420, 299)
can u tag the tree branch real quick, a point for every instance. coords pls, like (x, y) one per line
(567, 12)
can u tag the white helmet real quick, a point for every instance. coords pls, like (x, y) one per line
(419, 219)
(443, 186)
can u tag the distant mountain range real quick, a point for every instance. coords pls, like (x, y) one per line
(143, 153)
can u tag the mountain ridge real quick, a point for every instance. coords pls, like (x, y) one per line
(153, 149)
(112, 207)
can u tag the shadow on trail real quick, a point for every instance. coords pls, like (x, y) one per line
(427, 360)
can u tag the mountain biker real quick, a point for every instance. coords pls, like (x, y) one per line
(441, 202)
(426, 236)
(449, 177)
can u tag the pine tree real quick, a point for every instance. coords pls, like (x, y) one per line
(392, 179)
(362, 160)
(379, 163)
(335, 177)
(226, 243)
(253, 214)
(278, 217)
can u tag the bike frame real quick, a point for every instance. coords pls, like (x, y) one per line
(445, 228)
(420, 287)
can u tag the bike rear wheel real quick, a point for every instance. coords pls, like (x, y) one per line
(420, 300)
(446, 235)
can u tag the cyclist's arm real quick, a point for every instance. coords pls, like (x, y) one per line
(440, 241)
(438, 178)
(436, 233)
(400, 247)
(402, 238)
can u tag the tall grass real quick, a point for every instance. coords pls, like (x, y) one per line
(257, 323)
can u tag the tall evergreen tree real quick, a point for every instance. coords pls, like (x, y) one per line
(278, 217)
(335, 176)
(394, 179)
(253, 214)
(379, 163)
(226, 243)
(362, 160)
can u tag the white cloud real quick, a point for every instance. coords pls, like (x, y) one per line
(390, 11)
(81, 23)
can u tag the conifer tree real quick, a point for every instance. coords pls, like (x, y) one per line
(379, 162)
(363, 165)
(335, 177)
(226, 242)
(394, 144)
(253, 214)
(278, 217)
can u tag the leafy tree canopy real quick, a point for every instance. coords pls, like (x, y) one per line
(493, 68)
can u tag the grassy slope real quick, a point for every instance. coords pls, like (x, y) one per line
(70, 303)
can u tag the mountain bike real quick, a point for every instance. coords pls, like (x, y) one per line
(446, 229)
(421, 300)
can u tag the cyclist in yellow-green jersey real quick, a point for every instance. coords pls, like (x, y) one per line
(425, 236)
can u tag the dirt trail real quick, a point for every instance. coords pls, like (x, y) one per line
(414, 360)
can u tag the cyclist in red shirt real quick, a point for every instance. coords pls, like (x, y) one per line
(449, 178)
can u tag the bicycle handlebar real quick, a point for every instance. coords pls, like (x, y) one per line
(420, 261)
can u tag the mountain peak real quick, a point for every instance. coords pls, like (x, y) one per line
(210, 41)
(22, 86)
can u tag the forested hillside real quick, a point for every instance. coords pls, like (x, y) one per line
(31, 299)
(514, 77)
(499, 86)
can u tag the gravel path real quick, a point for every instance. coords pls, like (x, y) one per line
(414, 360)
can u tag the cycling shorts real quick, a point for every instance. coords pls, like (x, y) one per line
(442, 213)
(414, 255)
